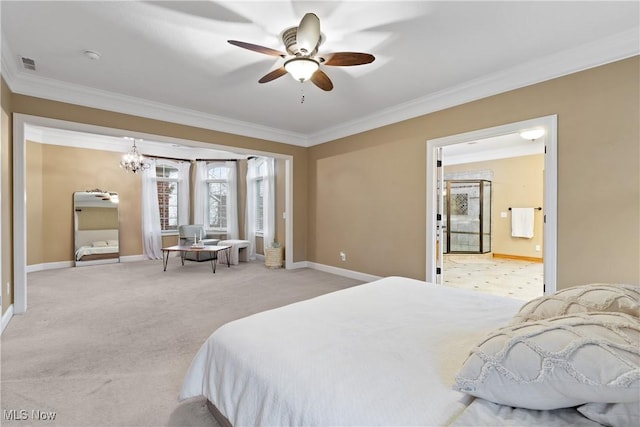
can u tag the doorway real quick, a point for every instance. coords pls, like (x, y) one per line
(22, 124)
(439, 149)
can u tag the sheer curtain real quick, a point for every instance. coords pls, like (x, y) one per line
(151, 233)
(232, 200)
(200, 194)
(269, 203)
(183, 192)
(250, 217)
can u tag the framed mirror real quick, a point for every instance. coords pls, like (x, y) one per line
(96, 225)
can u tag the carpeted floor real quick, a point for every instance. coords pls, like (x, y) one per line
(108, 345)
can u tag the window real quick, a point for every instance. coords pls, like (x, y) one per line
(218, 194)
(167, 178)
(261, 172)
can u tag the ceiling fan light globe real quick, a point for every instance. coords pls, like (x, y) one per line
(301, 69)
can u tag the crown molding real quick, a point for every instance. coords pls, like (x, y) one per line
(614, 48)
(610, 49)
(26, 83)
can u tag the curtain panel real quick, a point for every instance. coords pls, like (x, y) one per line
(200, 194)
(232, 200)
(151, 233)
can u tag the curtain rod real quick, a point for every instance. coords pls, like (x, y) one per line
(188, 160)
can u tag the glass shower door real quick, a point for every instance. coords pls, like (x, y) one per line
(468, 216)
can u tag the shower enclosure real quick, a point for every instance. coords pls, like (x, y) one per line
(467, 217)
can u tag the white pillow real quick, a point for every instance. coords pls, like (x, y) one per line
(99, 244)
(560, 362)
(599, 297)
(613, 414)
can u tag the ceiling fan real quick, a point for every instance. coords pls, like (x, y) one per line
(302, 60)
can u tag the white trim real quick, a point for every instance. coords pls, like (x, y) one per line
(609, 49)
(298, 264)
(550, 123)
(614, 48)
(68, 264)
(6, 317)
(288, 214)
(133, 258)
(342, 272)
(19, 215)
(49, 266)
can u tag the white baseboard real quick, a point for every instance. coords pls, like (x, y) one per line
(6, 317)
(133, 258)
(342, 272)
(67, 264)
(299, 264)
(49, 266)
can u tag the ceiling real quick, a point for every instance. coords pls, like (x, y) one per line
(170, 60)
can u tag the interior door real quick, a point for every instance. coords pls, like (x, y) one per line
(440, 230)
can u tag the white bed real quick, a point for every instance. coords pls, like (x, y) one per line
(96, 245)
(85, 253)
(383, 353)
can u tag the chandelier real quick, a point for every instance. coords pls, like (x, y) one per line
(133, 161)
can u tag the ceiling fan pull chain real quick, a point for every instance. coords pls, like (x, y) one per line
(301, 94)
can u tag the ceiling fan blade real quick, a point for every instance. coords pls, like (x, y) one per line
(321, 80)
(308, 34)
(344, 59)
(257, 48)
(278, 72)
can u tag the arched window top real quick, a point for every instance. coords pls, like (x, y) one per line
(217, 172)
(167, 169)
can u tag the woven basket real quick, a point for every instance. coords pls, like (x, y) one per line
(273, 257)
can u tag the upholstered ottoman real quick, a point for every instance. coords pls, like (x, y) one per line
(239, 251)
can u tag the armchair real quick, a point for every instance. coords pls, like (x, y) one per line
(187, 236)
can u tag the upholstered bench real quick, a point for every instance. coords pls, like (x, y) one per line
(189, 234)
(239, 251)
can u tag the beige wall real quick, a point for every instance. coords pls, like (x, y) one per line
(92, 218)
(517, 182)
(367, 191)
(365, 194)
(55, 172)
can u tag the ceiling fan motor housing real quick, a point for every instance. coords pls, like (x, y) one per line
(291, 44)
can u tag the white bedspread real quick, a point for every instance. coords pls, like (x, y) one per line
(93, 250)
(383, 353)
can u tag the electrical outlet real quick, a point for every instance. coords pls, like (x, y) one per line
(343, 256)
(537, 248)
(8, 288)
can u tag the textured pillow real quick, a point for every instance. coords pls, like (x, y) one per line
(597, 297)
(560, 362)
(99, 244)
(613, 414)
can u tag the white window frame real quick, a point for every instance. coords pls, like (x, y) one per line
(259, 182)
(214, 165)
(169, 165)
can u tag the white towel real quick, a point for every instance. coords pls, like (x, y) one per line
(522, 222)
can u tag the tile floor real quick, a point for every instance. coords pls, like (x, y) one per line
(498, 276)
